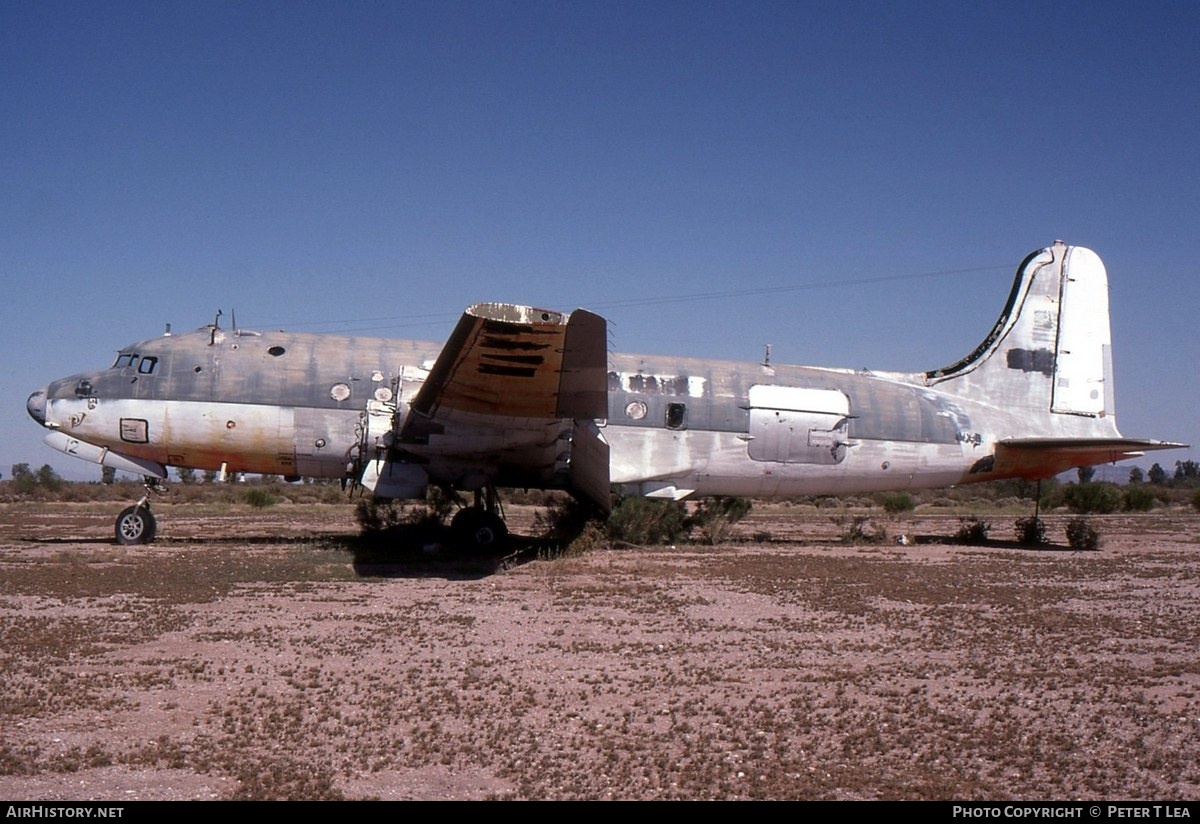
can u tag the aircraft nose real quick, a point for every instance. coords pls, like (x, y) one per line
(36, 406)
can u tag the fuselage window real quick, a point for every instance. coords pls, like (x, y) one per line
(676, 416)
(147, 365)
(124, 360)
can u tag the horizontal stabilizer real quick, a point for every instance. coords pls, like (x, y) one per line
(1034, 458)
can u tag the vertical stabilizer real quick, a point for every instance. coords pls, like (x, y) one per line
(1050, 351)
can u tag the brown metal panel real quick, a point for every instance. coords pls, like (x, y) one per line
(499, 361)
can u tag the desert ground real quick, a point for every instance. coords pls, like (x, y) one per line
(263, 653)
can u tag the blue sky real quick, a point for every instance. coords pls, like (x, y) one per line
(377, 166)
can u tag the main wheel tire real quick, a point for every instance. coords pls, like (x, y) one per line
(135, 525)
(478, 529)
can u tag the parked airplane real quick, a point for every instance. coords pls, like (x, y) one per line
(525, 397)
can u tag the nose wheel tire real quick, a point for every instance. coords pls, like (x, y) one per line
(135, 525)
(478, 529)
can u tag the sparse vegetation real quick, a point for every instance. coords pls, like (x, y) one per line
(1187, 471)
(569, 527)
(395, 520)
(591, 537)
(260, 667)
(972, 531)
(25, 480)
(897, 503)
(859, 529)
(257, 497)
(1081, 535)
(647, 521)
(713, 517)
(1092, 498)
(1157, 475)
(1139, 499)
(1031, 531)
(282, 779)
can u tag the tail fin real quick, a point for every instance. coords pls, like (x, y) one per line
(1050, 351)
(1047, 364)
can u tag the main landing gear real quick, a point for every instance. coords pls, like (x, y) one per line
(480, 527)
(136, 524)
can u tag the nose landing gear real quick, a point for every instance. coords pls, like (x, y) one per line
(136, 524)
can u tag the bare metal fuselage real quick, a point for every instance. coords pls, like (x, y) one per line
(1034, 399)
(220, 400)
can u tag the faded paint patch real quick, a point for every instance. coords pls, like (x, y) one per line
(690, 386)
(1031, 360)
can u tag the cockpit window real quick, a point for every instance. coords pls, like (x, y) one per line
(131, 360)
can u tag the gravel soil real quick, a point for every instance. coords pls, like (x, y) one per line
(265, 654)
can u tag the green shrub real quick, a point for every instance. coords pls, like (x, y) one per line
(1196, 500)
(438, 503)
(397, 522)
(1053, 494)
(26, 480)
(898, 502)
(714, 517)
(260, 498)
(377, 515)
(575, 526)
(642, 521)
(1082, 535)
(860, 530)
(1090, 498)
(1139, 499)
(1031, 531)
(972, 531)
(589, 537)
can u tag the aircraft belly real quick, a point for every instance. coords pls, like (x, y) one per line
(715, 463)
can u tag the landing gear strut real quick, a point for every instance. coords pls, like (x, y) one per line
(480, 527)
(136, 524)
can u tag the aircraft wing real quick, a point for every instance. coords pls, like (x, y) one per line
(1034, 458)
(517, 361)
(514, 396)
